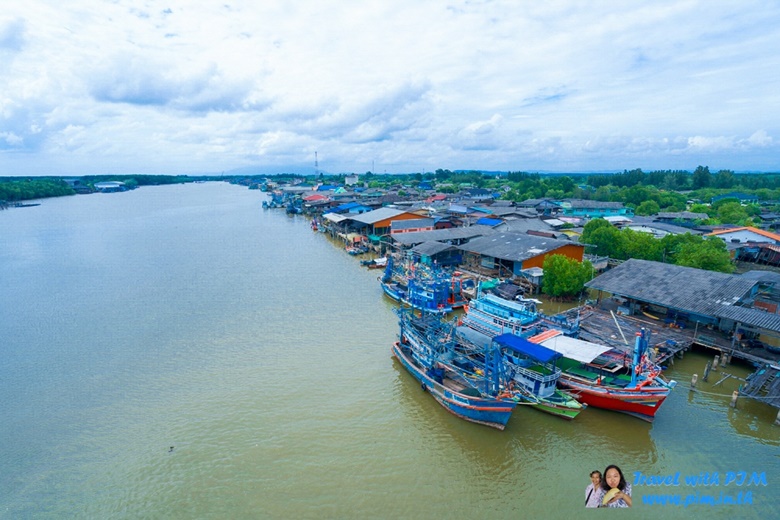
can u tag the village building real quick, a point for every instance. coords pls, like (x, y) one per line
(511, 253)
(411, 226)
(681, 218)
(452, 236)
(743, 198)
(686, 296)
(593, 208)
(744, 235)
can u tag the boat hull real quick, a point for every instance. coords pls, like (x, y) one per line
(563, 406)
(640, 402)
(486, 411)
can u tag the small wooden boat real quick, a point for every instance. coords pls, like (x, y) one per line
(376, 263)
(533, 372)
(529, 370)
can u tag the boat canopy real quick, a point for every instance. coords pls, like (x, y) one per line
(526, 348)
(577, 349)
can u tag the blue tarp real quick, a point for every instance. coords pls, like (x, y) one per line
(485, 221)
(526, 348)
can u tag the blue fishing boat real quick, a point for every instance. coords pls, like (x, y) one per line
(424, 288)
(428, 359)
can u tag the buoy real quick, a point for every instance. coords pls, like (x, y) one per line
(734, 397)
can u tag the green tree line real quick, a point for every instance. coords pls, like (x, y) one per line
(685, 249)
(28, 189)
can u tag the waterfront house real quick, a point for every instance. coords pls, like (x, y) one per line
(411, 225)
(352, 208)
(684, 295)
(110, 186)
(378, 222)
(449, 236)
(511, 253)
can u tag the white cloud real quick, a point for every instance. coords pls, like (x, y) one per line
(410, 85)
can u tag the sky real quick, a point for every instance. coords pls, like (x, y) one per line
(181, 87)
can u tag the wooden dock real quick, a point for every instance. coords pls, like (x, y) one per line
(604, 325)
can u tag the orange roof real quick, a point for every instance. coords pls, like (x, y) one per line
(315, 197)
(767, 234)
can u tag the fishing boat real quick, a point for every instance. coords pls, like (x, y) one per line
(475, 400)
(375, 263)
(604, 377)
(421, 287)
(492, 315)
(531, 372)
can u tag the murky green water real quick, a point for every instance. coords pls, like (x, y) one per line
(188, 317)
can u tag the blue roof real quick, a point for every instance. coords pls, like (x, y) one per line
(526, 348)
(346, 206)
(485, 221)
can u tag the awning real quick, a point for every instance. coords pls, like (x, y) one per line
(526, 348)
(577, 349)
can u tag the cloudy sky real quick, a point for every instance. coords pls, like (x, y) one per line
(123, 86)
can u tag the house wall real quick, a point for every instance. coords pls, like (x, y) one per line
(575, 252)
(382, 227)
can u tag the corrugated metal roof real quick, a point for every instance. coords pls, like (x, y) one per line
(372, 217)
(412, 223)
(751, 317)
(335, 217)
(586, 204)
(431, 248)
(515, 247)
(763, 276)
(684, 288)
(442, 235)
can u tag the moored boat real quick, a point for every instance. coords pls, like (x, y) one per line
(533, 372)
(423, 288)
(472, 399)
(493, 315)
(529, 369)
(602, 377)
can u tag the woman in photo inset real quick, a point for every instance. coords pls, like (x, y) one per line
(615, 491)
(593, 491)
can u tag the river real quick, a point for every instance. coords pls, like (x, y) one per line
(179, 352)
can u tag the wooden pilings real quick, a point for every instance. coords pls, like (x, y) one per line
(734, 396)
(693, 381)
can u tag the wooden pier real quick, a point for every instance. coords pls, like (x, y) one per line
(602, 324)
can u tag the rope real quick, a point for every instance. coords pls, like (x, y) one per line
(727, 395)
